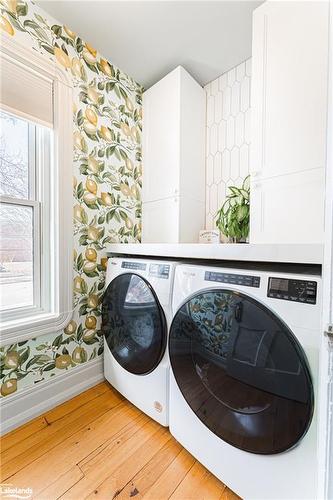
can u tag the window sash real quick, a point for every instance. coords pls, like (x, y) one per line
(40, 202)
(32, 179)
(44, 181)
(21, 311)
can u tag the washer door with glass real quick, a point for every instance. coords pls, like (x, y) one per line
(133, 324)
(242, 371)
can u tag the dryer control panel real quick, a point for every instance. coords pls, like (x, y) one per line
(133, 265)
(233, 279)
(291, 289)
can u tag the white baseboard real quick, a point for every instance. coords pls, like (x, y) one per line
(27, 404)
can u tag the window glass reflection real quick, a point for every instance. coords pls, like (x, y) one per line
(133, 324)
(138, 292)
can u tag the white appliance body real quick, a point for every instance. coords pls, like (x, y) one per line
(291, 474)
(148, 391)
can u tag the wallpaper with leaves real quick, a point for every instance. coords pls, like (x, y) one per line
(107, 172)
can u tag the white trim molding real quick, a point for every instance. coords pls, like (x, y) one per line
(37, 61)
(59, 271)
(23, 329)
(325, 399)
(287, 253)
(27, 404)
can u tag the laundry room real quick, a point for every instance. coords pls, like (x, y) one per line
(166, 249)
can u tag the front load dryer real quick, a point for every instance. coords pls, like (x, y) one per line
(136, 315)
(244, 349)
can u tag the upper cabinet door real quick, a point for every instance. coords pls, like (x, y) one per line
(289, 87)
(174, 138)
(161, 132)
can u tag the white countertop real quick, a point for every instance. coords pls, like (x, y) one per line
(299, 254)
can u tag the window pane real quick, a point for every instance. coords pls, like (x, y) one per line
(14, 156)
(16, 256)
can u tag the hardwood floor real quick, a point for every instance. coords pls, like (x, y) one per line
(98, 445)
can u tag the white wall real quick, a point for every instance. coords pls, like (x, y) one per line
(227, 135)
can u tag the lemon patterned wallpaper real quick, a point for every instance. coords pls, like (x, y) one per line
(107, 116)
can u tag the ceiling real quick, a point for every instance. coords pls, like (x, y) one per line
(147, 39)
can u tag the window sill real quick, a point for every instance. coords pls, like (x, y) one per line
(30, 327)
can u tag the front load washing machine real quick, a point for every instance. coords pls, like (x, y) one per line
(136, 315)
(244, 348)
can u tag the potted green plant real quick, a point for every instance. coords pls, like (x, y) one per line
(234, 216)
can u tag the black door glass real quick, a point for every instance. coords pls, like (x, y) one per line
(133, 324)
(242, 371)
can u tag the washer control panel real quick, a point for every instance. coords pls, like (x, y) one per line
(133, 265)
(233, 279)
(159, 271)
(291, 289)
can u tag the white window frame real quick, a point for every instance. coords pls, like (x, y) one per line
(39, 190)
(56, 308)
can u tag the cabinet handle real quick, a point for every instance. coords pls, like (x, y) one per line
(257, 185)
(256, 173)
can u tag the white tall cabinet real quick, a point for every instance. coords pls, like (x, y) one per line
(173, 208)
(289, 109)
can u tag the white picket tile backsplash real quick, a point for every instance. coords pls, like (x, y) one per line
(228, 135)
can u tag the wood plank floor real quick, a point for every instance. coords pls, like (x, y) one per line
(98, 445)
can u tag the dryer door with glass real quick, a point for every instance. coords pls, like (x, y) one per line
(242, 371)
(134, 324)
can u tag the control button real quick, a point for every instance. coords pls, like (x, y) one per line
(234, 279)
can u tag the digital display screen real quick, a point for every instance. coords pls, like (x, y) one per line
(291, 289)
(279, 284)
(159, 270)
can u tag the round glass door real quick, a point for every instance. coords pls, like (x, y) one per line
(133, 323)
(242, 371)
